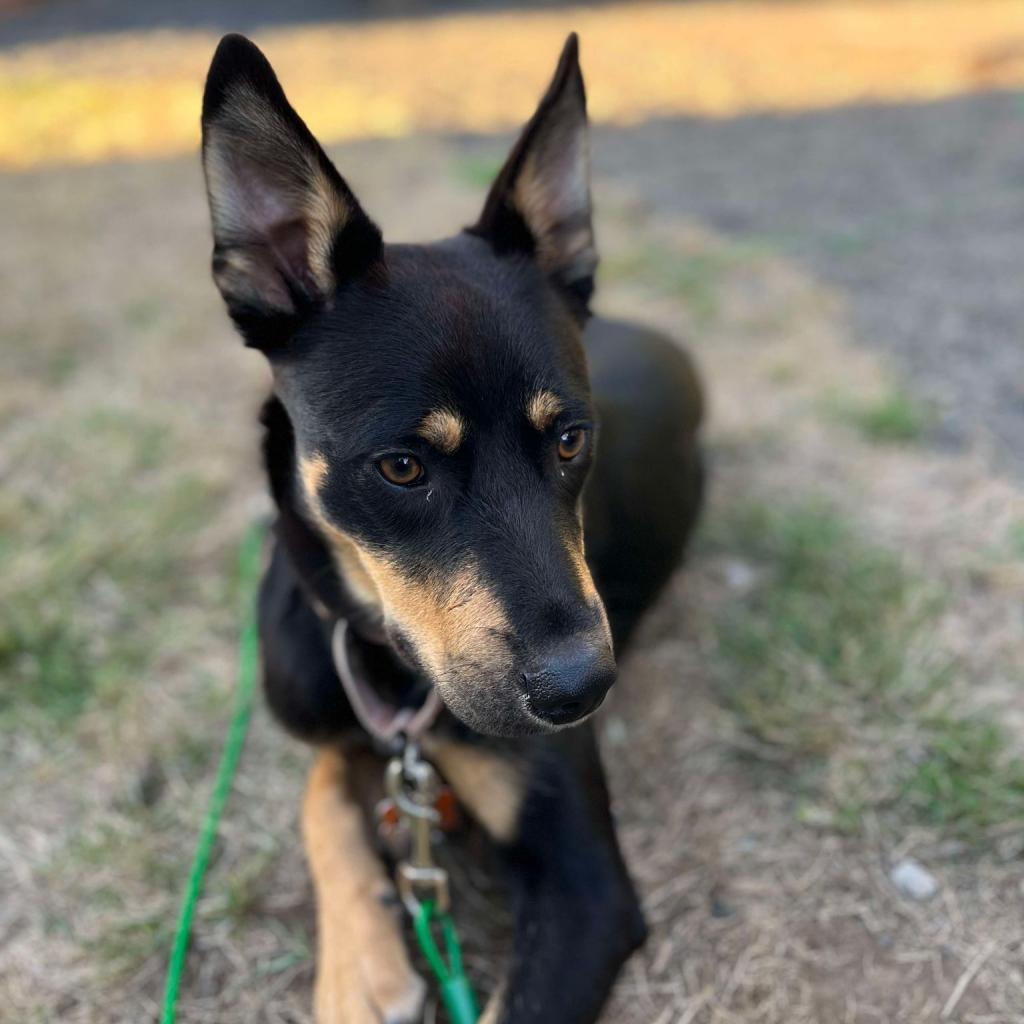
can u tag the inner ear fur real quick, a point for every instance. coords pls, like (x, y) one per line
(540, 201)
(287, 229)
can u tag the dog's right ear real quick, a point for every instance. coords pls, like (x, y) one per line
(287, 230)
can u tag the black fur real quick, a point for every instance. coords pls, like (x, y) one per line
(477, 323)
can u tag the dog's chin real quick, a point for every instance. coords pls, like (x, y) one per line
(500, 711)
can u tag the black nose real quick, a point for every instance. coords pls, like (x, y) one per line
(569, 682)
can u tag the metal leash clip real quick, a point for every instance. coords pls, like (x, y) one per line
(413, 785)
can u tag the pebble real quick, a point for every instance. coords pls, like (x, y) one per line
(616, 732)
(739, 575)
(913, 880)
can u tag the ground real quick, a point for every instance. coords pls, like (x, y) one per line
(830, 686)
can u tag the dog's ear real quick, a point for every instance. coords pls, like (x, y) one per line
(287, 230)
(540, 201)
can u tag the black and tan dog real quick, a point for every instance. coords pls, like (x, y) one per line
(435, 415)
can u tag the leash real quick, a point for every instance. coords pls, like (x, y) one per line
(413, 786)
(414, 791)
(249, 563)
(413, 812)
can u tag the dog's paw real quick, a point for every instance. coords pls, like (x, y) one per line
(396, 991)
(369, 989)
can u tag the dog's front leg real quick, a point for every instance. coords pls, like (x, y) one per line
(577, 915)
(363, 972)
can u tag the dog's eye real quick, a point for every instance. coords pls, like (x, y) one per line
(403, 470)
(571, 443)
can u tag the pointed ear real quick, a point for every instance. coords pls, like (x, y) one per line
(540, 201)
(287, 230)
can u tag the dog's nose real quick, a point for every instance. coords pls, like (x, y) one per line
(569, 682)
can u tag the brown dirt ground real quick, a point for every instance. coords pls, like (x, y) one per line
(756, 917)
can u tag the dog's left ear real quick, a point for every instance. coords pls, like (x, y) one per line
(540, 201)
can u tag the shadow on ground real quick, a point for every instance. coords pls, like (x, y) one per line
(915, 214)
(61, 19)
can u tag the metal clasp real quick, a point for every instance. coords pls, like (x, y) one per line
(413, 785)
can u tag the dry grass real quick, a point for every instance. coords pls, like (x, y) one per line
(136, 94)
(129, 471)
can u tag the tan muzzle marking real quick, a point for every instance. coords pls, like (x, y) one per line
(452, 617)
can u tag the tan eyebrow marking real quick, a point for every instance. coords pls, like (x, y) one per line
(542, 408)
(443, 429)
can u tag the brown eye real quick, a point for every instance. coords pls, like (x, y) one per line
(402, 470)
(570, 444)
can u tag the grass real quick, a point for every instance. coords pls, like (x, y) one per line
(94, 537)
(244, 888)
(477, 170)
(105, 479)
(828, 665)
(107, 866)
(827, 628)
(1016, 539)
(67, 100)
(965, 780)
(694, 277)
(894, 418)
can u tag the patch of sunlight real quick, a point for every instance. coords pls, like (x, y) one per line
(138, 94)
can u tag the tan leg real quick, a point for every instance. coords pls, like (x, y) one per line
(495, 1005)
(490, 786)
(363, 971)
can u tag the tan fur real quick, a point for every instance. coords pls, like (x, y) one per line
(326, 216)
(451, 617)
(363, 970)
(553, 193)
(344, 550)
(443, 429)
(577, 557)
(495, 1005)
(490, 785)
(542, 409)
(455, 618)
(574, 548)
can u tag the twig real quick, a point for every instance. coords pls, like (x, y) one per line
(965, 979)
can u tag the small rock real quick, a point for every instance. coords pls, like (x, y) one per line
(719, 908)
(739, 575)
(616, 733)
(913, 880)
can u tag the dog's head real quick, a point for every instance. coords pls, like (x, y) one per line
(438, 393)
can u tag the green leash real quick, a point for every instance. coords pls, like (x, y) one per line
(456, 993)
(249, 563)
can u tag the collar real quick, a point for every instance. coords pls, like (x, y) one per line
(389, 726)
(350, 627)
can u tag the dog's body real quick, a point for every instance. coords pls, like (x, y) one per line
(427, 443)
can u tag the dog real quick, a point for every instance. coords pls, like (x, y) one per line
(444, 419)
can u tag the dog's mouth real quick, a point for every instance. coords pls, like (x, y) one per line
(387, 698)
